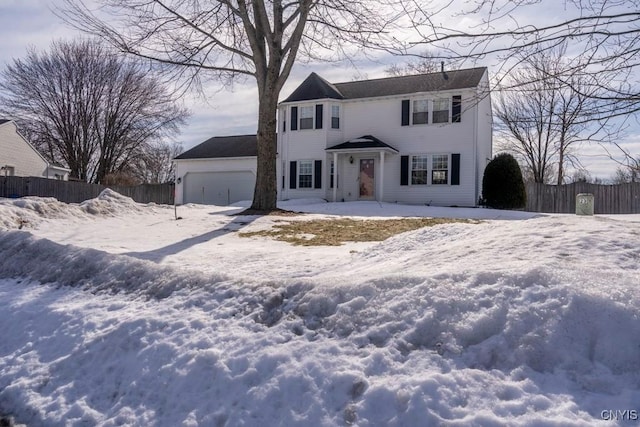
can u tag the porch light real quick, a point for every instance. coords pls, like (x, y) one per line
(351, 159)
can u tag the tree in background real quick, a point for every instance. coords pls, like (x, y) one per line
(502, 184)
(87, 107)
(155, 164)
(230, 39)
(543, 120)
(426, 62)
(604, 35)
(629, 166)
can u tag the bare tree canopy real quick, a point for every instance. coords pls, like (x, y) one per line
(604, 35)
(87, 107)
(427, 62)
(154, 164)
(229, 39)
(542, 120)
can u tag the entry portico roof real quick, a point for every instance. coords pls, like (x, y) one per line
(364, 143)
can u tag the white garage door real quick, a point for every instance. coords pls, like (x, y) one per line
(218, 188)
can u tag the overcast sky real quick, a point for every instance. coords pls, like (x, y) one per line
(25, 23)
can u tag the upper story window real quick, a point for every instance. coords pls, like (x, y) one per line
(441, 110)
(335, 117)
(306, 117)
(420, 111)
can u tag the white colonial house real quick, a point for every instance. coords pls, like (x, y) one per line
(19, 158)
(421, 139)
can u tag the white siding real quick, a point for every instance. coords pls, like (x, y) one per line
(382, 118)
(15, 151)
(485, 124)
(307, 144)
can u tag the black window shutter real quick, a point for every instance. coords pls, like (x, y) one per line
(293, 174)
(455, 169)
(405, 112)
(319, 116)
(456, 109)
(294, 118)
(317, 172)
(404, 170)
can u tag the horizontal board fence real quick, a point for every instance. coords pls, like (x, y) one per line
(608, 199)
(76, 192)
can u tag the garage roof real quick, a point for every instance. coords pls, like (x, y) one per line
(223, 146)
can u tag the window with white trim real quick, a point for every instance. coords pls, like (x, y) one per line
(7, 170)
(305, 174)
(420, 112)
(419, 173)
(440, 169)
(335, 117)
(306, 117)
(441, 110)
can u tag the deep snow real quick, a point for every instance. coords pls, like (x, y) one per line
(115, 313)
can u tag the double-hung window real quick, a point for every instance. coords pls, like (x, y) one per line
(420, 112)
(305, 174)
(441, 110)
(306, 117)
(440, 169)
(419, 170)
(335, 117)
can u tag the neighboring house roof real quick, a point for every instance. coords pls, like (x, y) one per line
(363, 142)
(3, 121)
(223, 146)
(315, 87)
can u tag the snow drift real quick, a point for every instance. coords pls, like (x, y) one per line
(529, 322)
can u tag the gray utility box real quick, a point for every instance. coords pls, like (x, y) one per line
(584, 204)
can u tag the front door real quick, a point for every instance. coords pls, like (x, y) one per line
(367, 179)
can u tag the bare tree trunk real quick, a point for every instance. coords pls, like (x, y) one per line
(265, 192)
(561, 161)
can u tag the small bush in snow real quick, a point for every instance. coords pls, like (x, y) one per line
(502, 184)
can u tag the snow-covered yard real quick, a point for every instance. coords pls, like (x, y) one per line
(115, 313)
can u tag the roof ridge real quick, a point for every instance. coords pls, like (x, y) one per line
(410, 75)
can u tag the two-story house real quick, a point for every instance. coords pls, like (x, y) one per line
(420, 139)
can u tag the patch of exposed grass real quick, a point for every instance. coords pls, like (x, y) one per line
(334, 232)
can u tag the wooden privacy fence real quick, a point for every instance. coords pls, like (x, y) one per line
(608, 199)
(76, 192)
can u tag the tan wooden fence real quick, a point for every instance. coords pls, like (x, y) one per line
(608, 199)
(76, 192)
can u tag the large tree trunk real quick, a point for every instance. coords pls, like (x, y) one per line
(265, 193)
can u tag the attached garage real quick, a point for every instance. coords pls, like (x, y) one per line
(218, 188)
(220, 171)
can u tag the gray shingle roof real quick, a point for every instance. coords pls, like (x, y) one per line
(366, 141)
(223, 146)
(315, 87)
